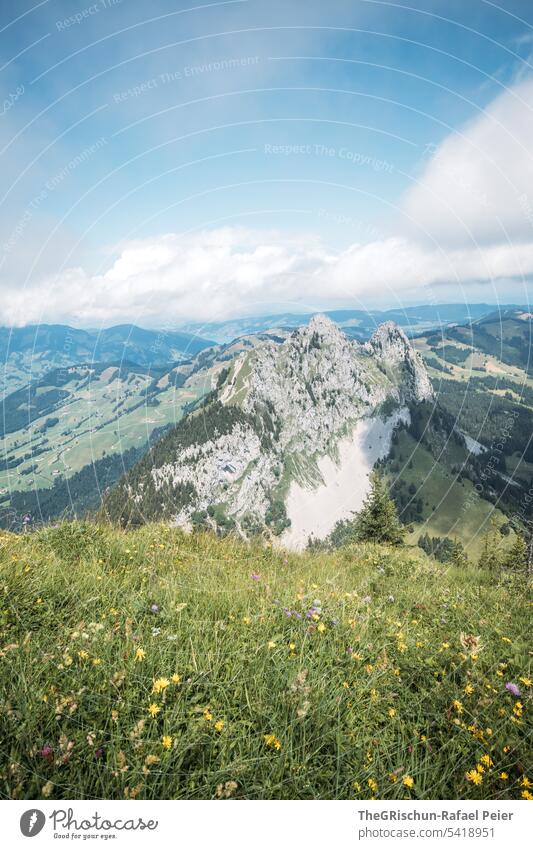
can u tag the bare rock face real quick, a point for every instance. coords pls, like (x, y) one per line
(391, 347)
(291, 403)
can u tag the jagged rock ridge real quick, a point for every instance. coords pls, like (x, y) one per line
(280, 409)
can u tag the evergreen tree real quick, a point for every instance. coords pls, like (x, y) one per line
(490, 557)
(517, 558)
(378, 520)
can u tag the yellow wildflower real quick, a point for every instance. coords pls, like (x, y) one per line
(408, 781)
(525, 782)
(160, 684)
(321, 627)
(526, 794)
(140, 654)
(208, 716)
(392, 712)
(166, 741)
(219, 725)
(83, 654)
(373, 785)
(457, 705)
(272, 741)
(271, 644)
(503, 776)
(487, 760)
(154, 709)
(468, 690)
(525, 681)
(474, 776)
(175, 678)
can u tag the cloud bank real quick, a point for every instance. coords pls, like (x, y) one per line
(234, 271)
(467, 220)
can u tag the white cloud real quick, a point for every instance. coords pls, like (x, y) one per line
(230, 271)
(478, 183)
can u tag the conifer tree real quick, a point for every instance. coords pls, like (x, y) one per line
(378, 520)
(517, 559)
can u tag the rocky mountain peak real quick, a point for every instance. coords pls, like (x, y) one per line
(391, 347)
(389, 340)
(323, 326)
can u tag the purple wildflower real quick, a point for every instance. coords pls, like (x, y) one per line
(154, 608)
(513, 689)
(255, 577)
(47, 753)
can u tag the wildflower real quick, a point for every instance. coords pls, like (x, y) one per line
(226, 790)
(166, 741)
(246, 620)
(271, 644)
(255, 577)
(175, 678)
(83, 654)
(457, 705)
(47, 753)
(140, 654)
(154, 709)
(292, 646)
(474, 776)
(272, 741)
(525, 782)
(506, 749)
(487, 760)
(513, 689)
(470, 643)
(47, 789)
(392, 712)
(518, 708)
(393, 778)
(208, 716)
(525, 681)
(219, 725)
(503, 776)
(526, 794)
(407, 781)
(321, 627)
(160, 684)
(480, 768)
(154, 608)
(468, 690)
(445, 645)
(373, 785)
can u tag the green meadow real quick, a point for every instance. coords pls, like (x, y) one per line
(152, 664)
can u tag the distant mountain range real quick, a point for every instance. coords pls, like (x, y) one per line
(357, 323)
(29, 352)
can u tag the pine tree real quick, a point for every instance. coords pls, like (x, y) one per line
(378, 520)
(490, 557)
(516, 559)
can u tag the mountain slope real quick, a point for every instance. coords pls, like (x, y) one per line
(27, 353)
(279, 411)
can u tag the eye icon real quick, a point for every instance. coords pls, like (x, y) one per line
(32, 822)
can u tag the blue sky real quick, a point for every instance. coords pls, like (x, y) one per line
(173, 161)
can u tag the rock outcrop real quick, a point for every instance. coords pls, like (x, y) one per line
(279, 410)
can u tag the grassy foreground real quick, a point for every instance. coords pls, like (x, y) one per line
(151, 664)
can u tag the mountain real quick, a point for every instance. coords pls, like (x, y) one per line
(357, 323)
(29, 352)
(71, 433)
(285, 416)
